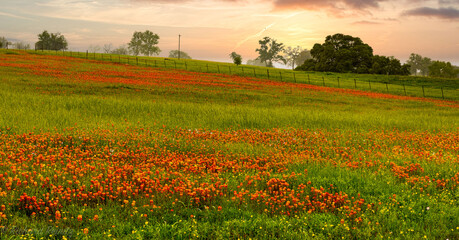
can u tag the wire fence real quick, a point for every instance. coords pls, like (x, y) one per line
(320, 79)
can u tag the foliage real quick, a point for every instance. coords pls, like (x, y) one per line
(3, 42)
(341, 53)
(94, 48)
(237, 59)
(269, 51)
(302, 57)
(175, 54)
(144, 43)
(443, 69)
(256, 62)
(21, 45)
(108, 48)
(388, 66)
(121, 50)
(292, 55)
(419, 64)
(53, 41)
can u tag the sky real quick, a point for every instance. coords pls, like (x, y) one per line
(212, 29)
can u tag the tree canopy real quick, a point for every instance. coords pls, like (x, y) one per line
(442, 69)
(237, 59)
(175, 54)
(419, 64)
(269, 51)
(53, 41)
(3, 42)
(291, 55)
(342, 53)
(144, 43)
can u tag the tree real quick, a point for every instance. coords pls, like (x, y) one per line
(237, 59)
(175, 54)
(121, 50)
(341, 53)
(419, 64)
(292, 55)
(53, 41)
(21, 45)
(108, 48)
(3, 42)
(269, 51)
(256, 62)
(144, 43)
(442, 69)
(94, 48)
(302, 57)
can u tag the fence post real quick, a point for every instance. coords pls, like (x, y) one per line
(254, 73)
(86, 54)
(309, 80)
(423, 92)
(387, 87)
(175, 64)
(404, 89)
(186, 66)
(207, 66)
(443, 96)
(355, 84)
(229, 67)
(338, 82)
(369, 84)
(218, 68)
(294, 77)
(137, 61)
(155, 62)
(267, 70)
(323, 81)
(280, 74)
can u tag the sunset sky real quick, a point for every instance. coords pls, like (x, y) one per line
(211, 29)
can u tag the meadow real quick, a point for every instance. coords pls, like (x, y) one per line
(95, 149)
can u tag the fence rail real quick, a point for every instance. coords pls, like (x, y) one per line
(284, 75)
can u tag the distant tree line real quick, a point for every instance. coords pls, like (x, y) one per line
(344, 53)
(426, 67)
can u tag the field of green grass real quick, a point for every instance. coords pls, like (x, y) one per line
(107, 149)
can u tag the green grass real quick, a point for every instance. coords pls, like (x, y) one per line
(441, 88)
(65, 119)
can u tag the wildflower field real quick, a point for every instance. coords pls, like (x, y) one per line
(99, 150)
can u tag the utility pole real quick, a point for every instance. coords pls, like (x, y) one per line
(179, 46)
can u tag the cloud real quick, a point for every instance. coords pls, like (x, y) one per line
(337, 4)
(365, 23)
(443, 13)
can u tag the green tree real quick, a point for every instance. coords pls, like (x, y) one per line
(269, 51)
(21, 45)
(3, 42)
(256, 62)
(341, 53)
(237, 59)
(144, 43)
(53, 41)
(175, 54)
(302, 57)
(442, 69)
(419, 64)
(292, 54)
(121, 50)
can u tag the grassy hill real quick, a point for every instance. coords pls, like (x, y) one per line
(123, 149)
